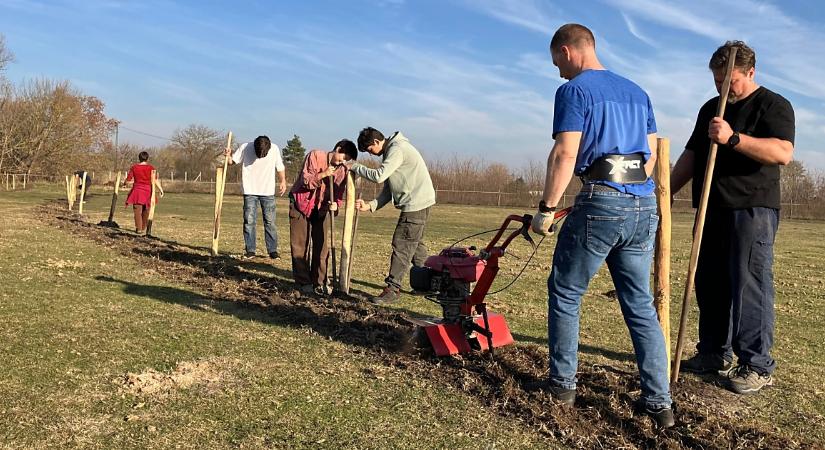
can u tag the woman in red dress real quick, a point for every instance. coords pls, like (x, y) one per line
(140, 197)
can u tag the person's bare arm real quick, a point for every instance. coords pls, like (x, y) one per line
(773, 151)
(650, 165)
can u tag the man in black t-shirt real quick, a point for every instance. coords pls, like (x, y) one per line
(734, 277)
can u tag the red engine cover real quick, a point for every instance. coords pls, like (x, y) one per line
(462, 263)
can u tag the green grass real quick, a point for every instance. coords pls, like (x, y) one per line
(70, 333)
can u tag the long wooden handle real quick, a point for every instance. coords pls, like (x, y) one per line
(700, 222)
(332, 227)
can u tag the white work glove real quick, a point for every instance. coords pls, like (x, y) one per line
(543, 223)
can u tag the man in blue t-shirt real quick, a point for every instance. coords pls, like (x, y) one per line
(604, 130)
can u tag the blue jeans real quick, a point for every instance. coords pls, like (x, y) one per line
(734, 285)
(250, 221)
(620, 229)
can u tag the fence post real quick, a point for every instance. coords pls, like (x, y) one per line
(25, 179)
(185, 177)
(499, 198)
(13, 182)
(172, 175)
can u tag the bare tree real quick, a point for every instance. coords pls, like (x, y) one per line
(6, 56)
(196, 148)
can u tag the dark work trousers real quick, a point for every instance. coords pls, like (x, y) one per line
(734, 285)
(308, 242)
(407, 246)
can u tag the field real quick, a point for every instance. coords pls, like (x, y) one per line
(111, 340)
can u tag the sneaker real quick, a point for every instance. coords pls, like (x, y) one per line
(388, 295)
(663, 416)
(274, 255)
(248, 255)
(703, 363)
(324, 290)
(745, 380)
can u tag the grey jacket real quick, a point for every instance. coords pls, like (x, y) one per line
(405, 176)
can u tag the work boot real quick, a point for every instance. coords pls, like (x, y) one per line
(562, 395)
(662, 416)
(703, 363)
(745, 380)
(390, 294)
(307, 289)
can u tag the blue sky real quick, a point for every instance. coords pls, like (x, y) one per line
(459, 77)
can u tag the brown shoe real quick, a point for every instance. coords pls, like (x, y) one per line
(388, 295)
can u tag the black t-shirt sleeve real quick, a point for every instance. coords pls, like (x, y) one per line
(699, 140)
(779, 120)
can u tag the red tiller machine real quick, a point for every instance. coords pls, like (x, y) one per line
(466, 324)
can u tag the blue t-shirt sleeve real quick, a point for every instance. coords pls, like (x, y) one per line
(568, 111)
(651, 119)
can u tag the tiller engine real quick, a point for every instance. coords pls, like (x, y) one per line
(466, 325)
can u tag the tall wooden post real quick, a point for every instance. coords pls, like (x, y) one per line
(216, 231)
(13, 182)
(661, 257)
(114, 198)
(152, 201)
(68, 193)
(82, 194)
(220, 185)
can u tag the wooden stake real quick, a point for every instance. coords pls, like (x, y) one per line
(220, 184)
(661, 258)
(114, 198)
(68, 193)
(13, 182)
(216, 233)
(82, 194)
(152, 201)
(700, 222)
(73, 189)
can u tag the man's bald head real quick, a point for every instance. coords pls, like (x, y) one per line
(572, 35)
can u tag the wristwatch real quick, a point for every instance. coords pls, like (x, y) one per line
(544, 208)
(734, 140)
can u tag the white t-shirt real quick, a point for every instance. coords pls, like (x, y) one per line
(258, 174)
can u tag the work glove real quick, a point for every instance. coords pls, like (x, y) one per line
(543, 223)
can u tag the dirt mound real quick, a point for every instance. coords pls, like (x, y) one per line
(186, 374)
(603, 416)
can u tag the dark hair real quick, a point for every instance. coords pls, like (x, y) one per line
(745, 57)
(143, 156)
(367, 136)
(347, 147)
(572, 35)
(262, 146)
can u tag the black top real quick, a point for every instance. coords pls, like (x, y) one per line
(739, 181)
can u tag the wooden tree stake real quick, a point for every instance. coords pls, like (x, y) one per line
(661, 258)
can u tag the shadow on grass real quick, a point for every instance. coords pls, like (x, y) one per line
(584, 348)
(352, 323)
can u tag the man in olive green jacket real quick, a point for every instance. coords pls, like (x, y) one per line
(407, 183)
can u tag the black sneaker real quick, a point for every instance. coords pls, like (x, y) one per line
(275, 255)
(248, 255)
(663, 417)
(703, 363)
(388, 295)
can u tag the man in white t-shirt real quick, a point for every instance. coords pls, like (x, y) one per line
(261, 161)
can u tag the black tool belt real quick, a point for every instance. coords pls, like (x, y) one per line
(622, 169)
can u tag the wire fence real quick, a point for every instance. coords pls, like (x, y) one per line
(525, 199)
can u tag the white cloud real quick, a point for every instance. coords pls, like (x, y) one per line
(527, 14)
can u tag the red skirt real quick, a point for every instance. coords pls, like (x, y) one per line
(141, 194)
